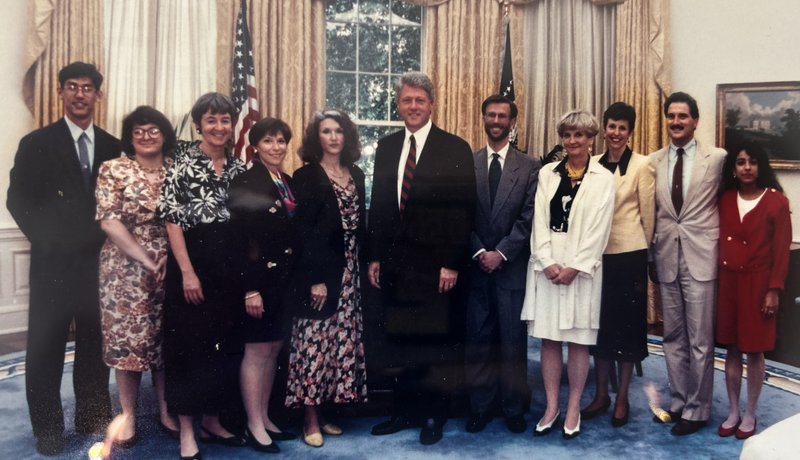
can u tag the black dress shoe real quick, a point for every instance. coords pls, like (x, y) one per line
(230, 441)
(174, 434)
(271, 448)
(197, 456)
(281, 435)
(50, 445)
(126, 443)
(431, 433)
(588, 414)
(687, 427)
(516, 423)
(477, 422)
(391, 426)
(622, 421)
(674, 417)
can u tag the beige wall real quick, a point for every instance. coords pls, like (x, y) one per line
(735, 41)
(16, 120)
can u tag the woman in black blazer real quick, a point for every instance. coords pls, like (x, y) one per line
(327, 354)
(262, 206)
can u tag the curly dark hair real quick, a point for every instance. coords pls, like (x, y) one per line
(766, 175)
(143, 115)
(311, 150)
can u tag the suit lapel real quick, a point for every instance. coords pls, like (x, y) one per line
(482, 181)
(662, 170)
(67, 154)
(698, 173)
(507, 181)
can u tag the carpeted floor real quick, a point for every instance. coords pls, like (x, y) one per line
(640, 439)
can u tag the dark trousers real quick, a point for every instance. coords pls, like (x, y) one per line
(62, 291)
(423, 346)
(496, 347)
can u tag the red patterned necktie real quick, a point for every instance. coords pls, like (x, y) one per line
(408, 172)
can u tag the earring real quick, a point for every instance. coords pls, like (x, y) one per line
(734, 175)
(198, 131)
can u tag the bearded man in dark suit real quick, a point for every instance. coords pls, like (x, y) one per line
(496, 352)
(51, 197)
(421, 213)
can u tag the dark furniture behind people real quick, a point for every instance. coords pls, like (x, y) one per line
(54, 208)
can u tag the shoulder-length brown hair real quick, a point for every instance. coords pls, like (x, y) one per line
(311, 150)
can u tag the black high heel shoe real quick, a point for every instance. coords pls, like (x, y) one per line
(588, 414)
(196, 456)
(271, 448)
(281, 435)
(230, 441)
(618, 422)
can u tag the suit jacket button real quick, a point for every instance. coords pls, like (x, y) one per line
(288, 251)
(729, 238)
(744, 243)
(724, 262)
(271, 265)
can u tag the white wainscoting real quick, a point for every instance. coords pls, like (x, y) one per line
(15, 261)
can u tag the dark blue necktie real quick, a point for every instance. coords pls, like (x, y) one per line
(494, 176)
(83, 156)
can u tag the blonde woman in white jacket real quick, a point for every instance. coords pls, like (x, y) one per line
(574, 206)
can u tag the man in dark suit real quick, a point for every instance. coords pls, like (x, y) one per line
(421, 214)
(496, 351)
(51, 197)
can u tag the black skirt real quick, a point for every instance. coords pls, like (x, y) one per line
(623, 311)
(197, 337)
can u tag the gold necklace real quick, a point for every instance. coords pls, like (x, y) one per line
(574, 174)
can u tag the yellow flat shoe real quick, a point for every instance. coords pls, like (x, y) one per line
(313, 439)
(331, 429)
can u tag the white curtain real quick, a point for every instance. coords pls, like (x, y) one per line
(160, 53)
(568, 62)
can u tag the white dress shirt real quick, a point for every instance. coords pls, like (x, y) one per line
(76, 132)
(420, 137)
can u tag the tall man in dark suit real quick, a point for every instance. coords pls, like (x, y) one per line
(420, 218)
(51, 196)
(496, 352)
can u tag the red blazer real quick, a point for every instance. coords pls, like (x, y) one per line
(759, 242)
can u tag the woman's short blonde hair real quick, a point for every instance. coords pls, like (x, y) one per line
(579, 120)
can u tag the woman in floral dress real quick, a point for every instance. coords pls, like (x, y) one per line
(199, 302)
(327, 354)
(132, 264)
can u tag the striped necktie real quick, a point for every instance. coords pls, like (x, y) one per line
(408, 172)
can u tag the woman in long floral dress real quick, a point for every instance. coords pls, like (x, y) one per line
(132, 264)
(327, 354)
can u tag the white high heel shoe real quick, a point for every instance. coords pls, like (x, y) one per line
(542, 430)
(569, 434)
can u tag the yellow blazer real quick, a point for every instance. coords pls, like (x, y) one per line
(634, 206)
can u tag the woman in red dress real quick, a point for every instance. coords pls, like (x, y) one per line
(755, 235)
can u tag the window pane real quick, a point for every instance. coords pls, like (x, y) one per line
(373, 48)
(341, 91)
(369, 136)
(405, 49)
(393, 113)
(374, 11)
(373, 93)
(341, 46)
(340, 10)
(406, 13)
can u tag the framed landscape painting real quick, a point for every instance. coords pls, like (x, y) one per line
(766, 113)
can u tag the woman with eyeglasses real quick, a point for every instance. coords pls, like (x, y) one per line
(132, 264)
(327, 353)
(200, 305)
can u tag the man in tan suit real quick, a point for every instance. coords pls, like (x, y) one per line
(685, 250)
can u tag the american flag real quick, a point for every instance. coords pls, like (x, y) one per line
(507, 78)
(243, 91)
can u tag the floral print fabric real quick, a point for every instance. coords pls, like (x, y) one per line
(193, 193)
(130, 298)
(326, 361)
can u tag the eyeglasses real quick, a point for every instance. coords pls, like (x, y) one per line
(139, 133)
(74, 88)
